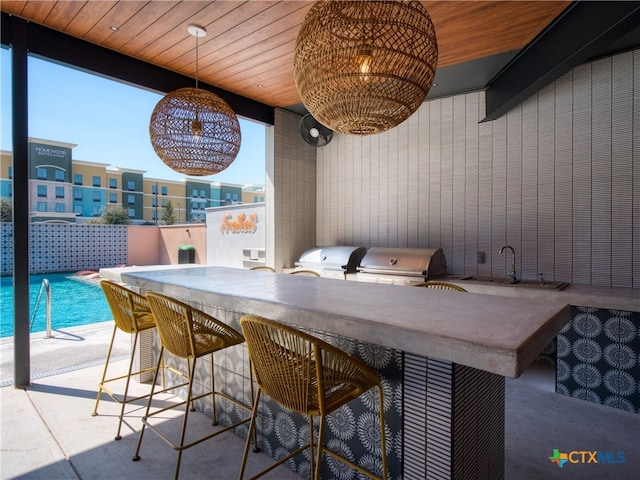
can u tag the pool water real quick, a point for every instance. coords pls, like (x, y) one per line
(75, 300)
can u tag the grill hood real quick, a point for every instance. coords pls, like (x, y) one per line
(412, 262)
(337, 258)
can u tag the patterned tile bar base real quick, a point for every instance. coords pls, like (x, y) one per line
(460, 412)
(597, 358)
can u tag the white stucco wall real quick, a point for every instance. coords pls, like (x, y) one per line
(236, 235)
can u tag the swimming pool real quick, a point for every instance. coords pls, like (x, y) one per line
(75, 300)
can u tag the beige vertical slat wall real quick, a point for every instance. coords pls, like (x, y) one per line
(557, 177)
(291, 192)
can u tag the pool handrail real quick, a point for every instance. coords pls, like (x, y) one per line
(47, 288)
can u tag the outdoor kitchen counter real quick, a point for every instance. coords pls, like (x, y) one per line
(495, 334)
(595, 296)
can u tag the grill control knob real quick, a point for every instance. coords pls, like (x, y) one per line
(393, 261)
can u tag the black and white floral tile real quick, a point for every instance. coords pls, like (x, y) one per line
(597, 357)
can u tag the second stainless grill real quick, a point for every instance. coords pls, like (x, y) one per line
(401, 265)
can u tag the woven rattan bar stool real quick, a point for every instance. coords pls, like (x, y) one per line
(188, 333)
(132, 315)
(264, 268)
(440, 286)
(308, 273)
(310, 377)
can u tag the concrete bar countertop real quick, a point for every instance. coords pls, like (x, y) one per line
(497, 334)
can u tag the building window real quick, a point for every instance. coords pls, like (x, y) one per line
(59, 192)
(77, 209)
(77, 194)
(96, 181)
(164, 190)
(131, 199)
(154, 202)
(59, 175)
(113, 197)
(203, 194)
(203, 204)
(42, 191)
(113, 183)
(42, 206)
(132, 213)
(41, 173)
(131, 186)
(96, 211)
(154, 189)
(60, 207)
(194, 192)
(255, 199)
(97, 197)
(10, 173)
(77, 179)
(163, 202)
(154, 215)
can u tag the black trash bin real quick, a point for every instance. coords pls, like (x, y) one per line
(186, 254)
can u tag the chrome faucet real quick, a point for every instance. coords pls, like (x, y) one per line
(512, 273)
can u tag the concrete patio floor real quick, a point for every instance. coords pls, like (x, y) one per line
(47, 431)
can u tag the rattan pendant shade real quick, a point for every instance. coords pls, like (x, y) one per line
(363, 67)
(194, 131)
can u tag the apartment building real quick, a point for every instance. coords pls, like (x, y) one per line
(77, 191)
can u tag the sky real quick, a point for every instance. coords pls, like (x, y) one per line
(109, 122)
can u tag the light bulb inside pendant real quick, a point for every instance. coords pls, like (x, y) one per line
(196, 128)
(364, 61)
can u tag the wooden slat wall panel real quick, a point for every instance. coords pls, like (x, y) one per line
(457, 256)
(514, 183)
(546, 185)
(293, 191)
(424, 172)
(413, 183)
(556, 178)
(526, 256)
(499, 228)
(434, 126)
(601, 173)
(472, 104)
(622, 95)
(636, 169)
(563, 177)
(582, 175)
(446, 174)
(392, 176)
(485, 176)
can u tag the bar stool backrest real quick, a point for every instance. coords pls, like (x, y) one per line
(441, 286)
(302, 372)
(186, 331)
(125, 305)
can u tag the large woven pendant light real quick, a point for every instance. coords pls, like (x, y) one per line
(363, 67)
(193, 130)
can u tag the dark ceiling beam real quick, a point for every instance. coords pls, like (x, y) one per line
(582, 32)
(83, 55)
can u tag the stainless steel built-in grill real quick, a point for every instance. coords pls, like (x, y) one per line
(331, 261)
(403, 266)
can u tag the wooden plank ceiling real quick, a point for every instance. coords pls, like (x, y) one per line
(249, 45)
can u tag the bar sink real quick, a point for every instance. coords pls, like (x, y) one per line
(519, 284)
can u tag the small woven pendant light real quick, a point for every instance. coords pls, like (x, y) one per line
(363, 67)
(193, 130)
